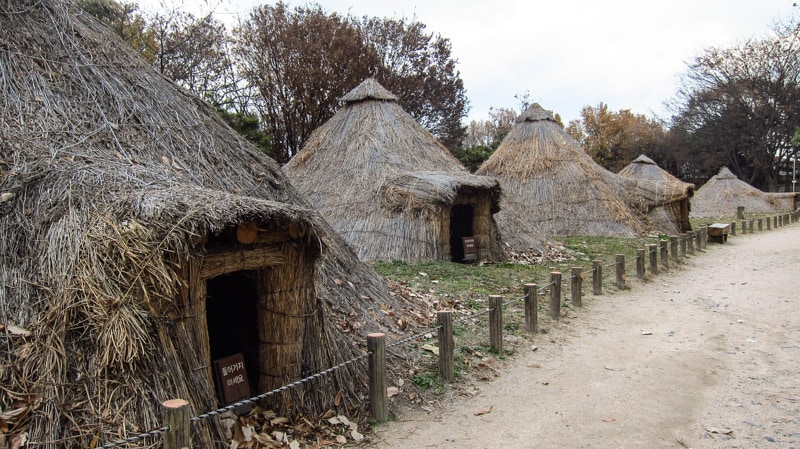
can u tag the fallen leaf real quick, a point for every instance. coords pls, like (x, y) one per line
(719, 431)
(392, 391)
(484, 411)
(341, 439)
(356, 436)
(338, 399)
(431, 348)
(609, 419)
(16, 330)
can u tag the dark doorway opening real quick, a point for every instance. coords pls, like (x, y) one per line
(232, 318)
(460, 226)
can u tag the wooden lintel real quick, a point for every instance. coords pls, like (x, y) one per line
(231, 261)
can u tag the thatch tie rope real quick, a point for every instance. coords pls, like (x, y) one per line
(277, 390)
(610, 265)
(136, 438)
(473, 316)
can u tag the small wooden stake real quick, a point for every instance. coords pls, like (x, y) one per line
(760, 225)
(176, 417)
(576, 286)
(682, 238)
(597, 277)
(496, 323)
(652, 250)
(699, 239)
(769, 223)
(620, 269)
(640, 263)
(733, 228)
(531, 309)
(673, 248)
(664, 253)
(555, 295)
(378, 400)
(744, 227)
(444, 319)
(690, 242)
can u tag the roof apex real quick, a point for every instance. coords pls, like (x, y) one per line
(368, 89)
(535, 113)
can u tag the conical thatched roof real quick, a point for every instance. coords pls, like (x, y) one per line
(388, 186)
(551, 187)
(117, 192)
(645, 168)
(721, 195)
(672, 211)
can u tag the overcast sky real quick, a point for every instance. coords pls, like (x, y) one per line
(568, 54)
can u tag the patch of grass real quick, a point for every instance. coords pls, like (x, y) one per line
(428, 381)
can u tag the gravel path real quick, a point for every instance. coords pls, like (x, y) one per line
(706, 355)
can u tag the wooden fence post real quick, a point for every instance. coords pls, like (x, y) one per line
(733, 228)
(673, 248)
(620, 268)
(378, 400)
(444, 319)
(597, 277)
(176, 417)
(555, 295)
(640, 263)
(683, 245)
(577, 286)
(531, 309)
(769, 223)
(664, 256)
(760, 225)
(690, 242)
(496, 323)
(775, 222)
(699, 239)
(751, 225)
(744, 227)
(653, 252)
(704, 236)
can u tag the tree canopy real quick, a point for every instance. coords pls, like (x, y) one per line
(740, 107)
(302, 60)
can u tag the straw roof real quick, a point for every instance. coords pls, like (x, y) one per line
(671, 214)
(551, 187)
(721, 195)
(385, 183)
(111, 179)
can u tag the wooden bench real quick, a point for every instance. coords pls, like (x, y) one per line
(718, 232)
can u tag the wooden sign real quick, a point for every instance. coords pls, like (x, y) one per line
(470, 250)
(232, 382)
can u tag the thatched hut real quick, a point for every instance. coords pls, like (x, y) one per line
(674, 210)
(390, 188)
(551, 187)
(142, 239)
(721, 195)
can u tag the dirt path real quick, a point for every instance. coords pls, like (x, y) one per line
(704, 356)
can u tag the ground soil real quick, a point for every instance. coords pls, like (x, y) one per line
(704, 355)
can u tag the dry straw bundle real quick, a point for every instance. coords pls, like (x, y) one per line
(116, 189)
(721, 195)
(387, 185)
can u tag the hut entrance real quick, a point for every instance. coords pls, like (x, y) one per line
(232, 318)
(461, 216)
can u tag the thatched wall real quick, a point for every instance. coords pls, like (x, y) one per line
(721, 195)
(386, 184)
(115, 185)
